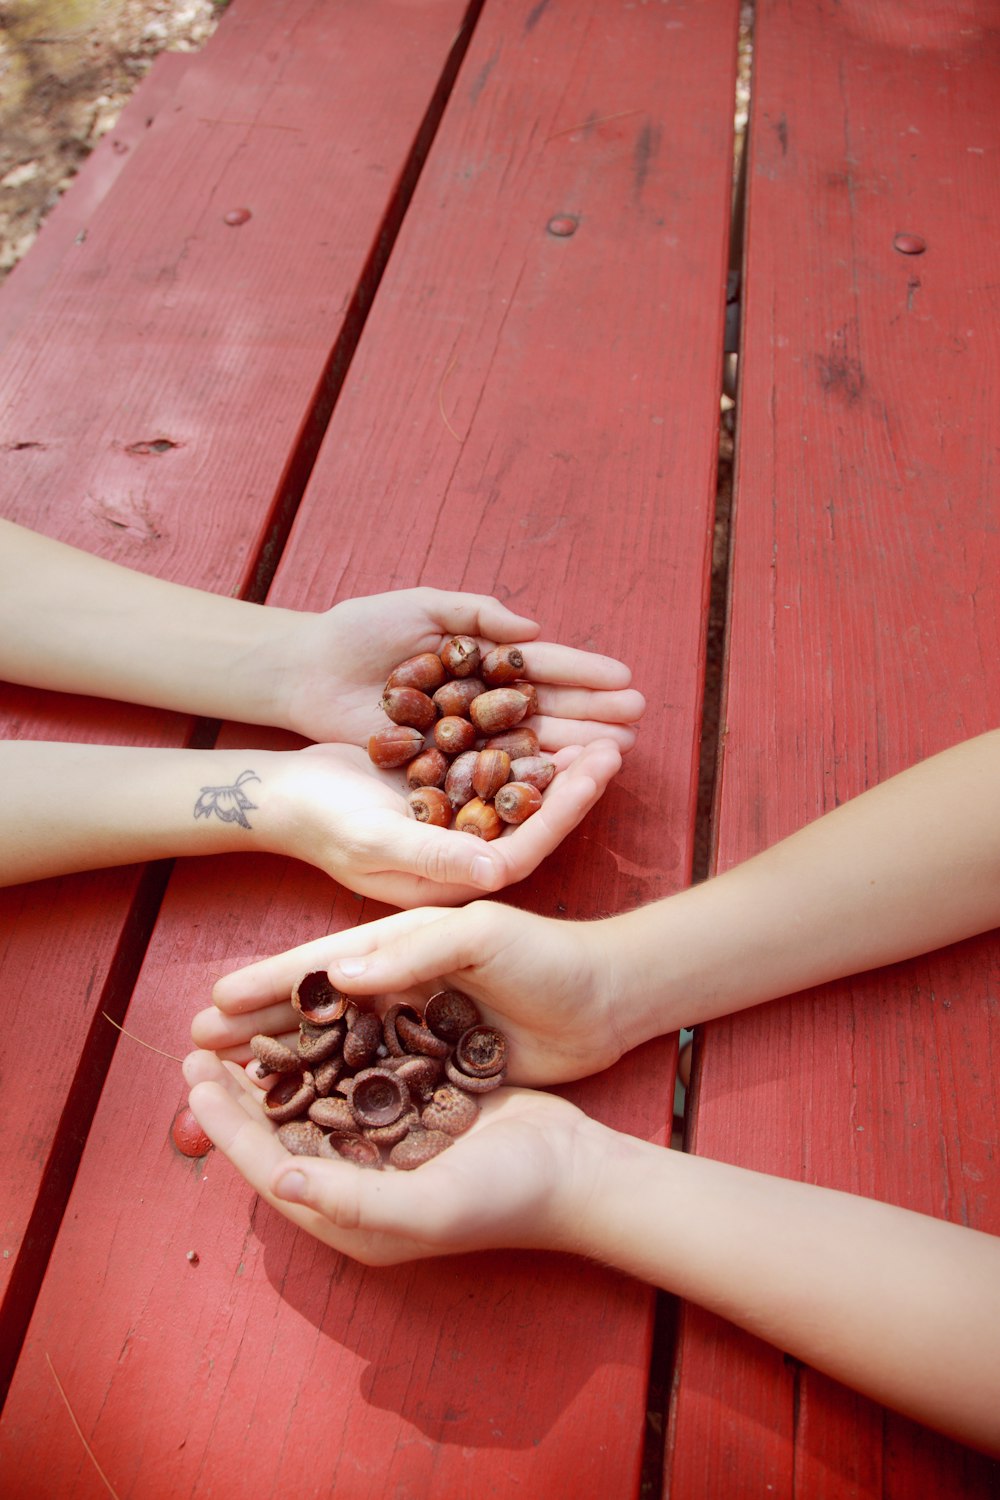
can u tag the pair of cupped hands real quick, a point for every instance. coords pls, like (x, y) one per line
(350, 819)
(514, 1177)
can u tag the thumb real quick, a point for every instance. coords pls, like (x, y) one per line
(444, 857)
(445, 947)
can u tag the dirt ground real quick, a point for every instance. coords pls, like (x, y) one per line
(67, 68)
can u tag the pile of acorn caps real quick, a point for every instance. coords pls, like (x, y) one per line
(367, 1089)
(482, 768)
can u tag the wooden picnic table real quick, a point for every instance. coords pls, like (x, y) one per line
(310, 327)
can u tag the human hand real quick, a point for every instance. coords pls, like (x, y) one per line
(508, 1182)
(332, 808)
(545, 983)
(332, 667)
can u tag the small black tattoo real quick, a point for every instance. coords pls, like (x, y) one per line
(229, 803)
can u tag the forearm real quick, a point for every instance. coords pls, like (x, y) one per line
(76, 623)
(899, 1306)
(905, 868)
(69, 807)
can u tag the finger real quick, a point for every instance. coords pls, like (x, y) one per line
(271, 980)
(441, 948)
(219, 1032)
(545, 661)
(479, 615)
(442, 856)
(555, 734)
(622, 707)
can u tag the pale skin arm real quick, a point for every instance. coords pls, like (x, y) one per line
(70, 807)
(73, 622)
(902, 1307)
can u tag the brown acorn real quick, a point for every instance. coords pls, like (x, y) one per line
(290, 1097)
(480, 818)
(491, 770)
(429, 769)
(502, 665)
(497, 710)
(273, 1056)
(362, 1041)
(316, 1000)
(429, 804)
(378, 1097)
(425, 672)
(517, 742)
(419, 1146)
(517, 801)
(453, 735)
(536, 770)
(394, 746)
(449, 1014)
(454, 697)
(529, 691)
(461, 656)
(458, 781)
(409, 706)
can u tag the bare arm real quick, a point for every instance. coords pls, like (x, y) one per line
(71, 807)
(73, 622)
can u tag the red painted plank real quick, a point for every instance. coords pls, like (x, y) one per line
(862, 610)
(490, 436)
(217, 338)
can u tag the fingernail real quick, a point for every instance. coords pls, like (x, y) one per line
(291, 1187)
(482, 872)
(352, 966)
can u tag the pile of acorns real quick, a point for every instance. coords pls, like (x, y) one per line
(366, 1089)
(483, 768)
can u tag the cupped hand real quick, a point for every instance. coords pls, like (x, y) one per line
(514, 1179)
(334, 667)
(334, 809)
(544, 982)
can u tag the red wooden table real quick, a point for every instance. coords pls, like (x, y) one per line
(393, 373)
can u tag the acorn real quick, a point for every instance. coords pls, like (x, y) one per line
(454, 697)
(452, 735)
(316, 1000)
(425, 672)
(501, 666)
(461, 656)
(497, 710)
(517, 742)
(480, 818)
(491, 770)
(429, 804)
(408, 706)
(529, 691)
(429, 769)
(458, 781)
(517, 801)
(536, 770)
(392, 747)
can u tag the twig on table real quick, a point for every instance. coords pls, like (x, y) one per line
(133, 1038)
(444, 414)
(589, 124)
(83, 1440)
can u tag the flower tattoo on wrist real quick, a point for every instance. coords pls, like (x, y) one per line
(228, 803)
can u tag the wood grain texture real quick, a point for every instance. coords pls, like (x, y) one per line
(863, 619)
(218, 340)
(530, 416)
